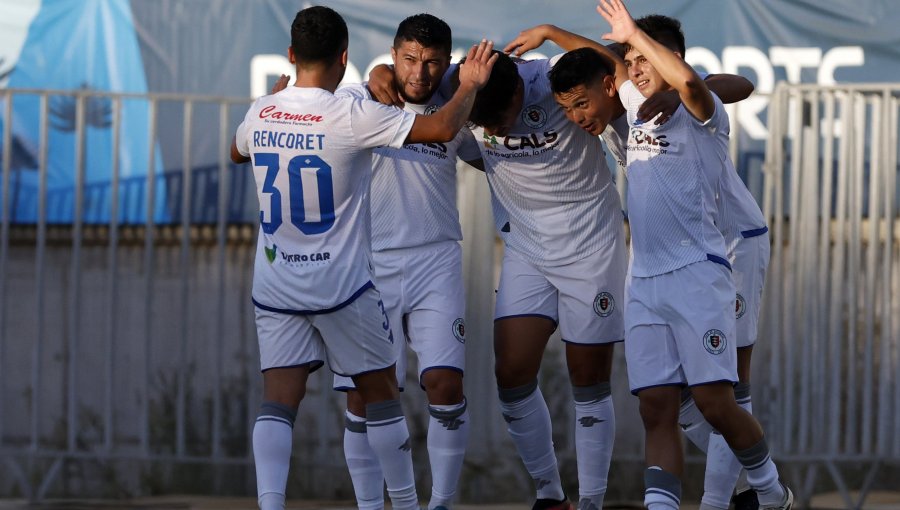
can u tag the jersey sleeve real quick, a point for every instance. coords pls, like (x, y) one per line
(376, 125)
(718, 123)
(241, 140)
(468, 147)
(630, 96)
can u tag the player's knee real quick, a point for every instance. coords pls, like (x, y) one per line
(510, 376)
(658, 409)
(443, 387)
(716, 411)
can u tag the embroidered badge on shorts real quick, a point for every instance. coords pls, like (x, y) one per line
(459, 330)
(714, 341)
(740, 306)
(604, 304)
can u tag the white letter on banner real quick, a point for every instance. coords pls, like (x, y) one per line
(384, 58)
(263, 66)
(840, 56)
(698, 56)
(735, 57)
(794, 60)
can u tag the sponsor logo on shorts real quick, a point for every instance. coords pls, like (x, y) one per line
(459, 330)
(534, 116)
(271, 252)
(740, 307)
(604, 304)
(432, 109)
(714, 341)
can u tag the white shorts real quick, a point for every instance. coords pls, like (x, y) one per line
(354, 339)
(679, 327)
(422, 289)
(749, 261)
(585, 297)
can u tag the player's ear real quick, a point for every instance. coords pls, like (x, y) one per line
(344, 58)
(394, 55)
(291, 57)
(609, 85)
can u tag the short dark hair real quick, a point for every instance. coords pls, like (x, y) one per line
(664, 30)
(578, 67)
(427, 30)
(496, 96)
(318, 35)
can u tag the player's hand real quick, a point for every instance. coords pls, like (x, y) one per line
(476, 70)
(527, 40)
(620, 21)
(280, 84)
(383, 87)
(663, 104)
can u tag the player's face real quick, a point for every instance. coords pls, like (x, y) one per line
(642, 73)
(511, 115)
(590, 106)
(418, 70)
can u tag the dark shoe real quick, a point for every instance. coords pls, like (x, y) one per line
(552, 504)
(745, 500)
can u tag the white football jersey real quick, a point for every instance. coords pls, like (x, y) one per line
(674, 170)
(551, 180)
(414, 186)
(739, 214)
(312, 161)
(616, 137)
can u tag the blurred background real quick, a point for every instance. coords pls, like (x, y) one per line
(128, 356)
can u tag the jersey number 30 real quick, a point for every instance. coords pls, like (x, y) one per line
(317, 172)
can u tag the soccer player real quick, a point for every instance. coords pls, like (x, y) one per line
(418, 267)
(680, 309)
(312, 284)
(582, 84)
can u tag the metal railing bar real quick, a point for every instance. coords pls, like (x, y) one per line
(112, 280)
(150, 220)
(180, 429)
(37, 349)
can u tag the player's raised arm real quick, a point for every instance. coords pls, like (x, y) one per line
(730, 88)
(473, 74)
(534, 37)
(672, 68)
(383, 87)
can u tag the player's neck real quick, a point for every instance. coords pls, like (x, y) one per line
(319, 77)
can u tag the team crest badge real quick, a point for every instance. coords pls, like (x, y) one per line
(431, 109)
(270, 253)
(459, 330)
(604, 304)
(740, 306)
(714, 341)
(534, 116)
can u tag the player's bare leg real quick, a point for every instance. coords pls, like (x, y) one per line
(388, 434)
(448, 432)
(283, 389)
(519, 344)
(745, 437)
(590, 367)
(662, 446)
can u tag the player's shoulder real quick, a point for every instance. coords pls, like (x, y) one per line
(353, 91)
(533, 70)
